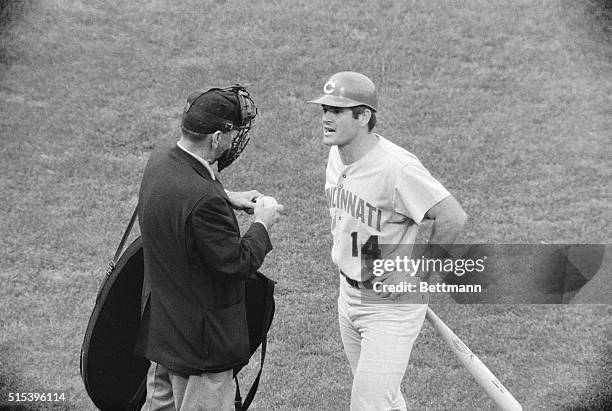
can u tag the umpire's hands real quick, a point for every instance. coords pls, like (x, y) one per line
(243, 200)
(267, 213)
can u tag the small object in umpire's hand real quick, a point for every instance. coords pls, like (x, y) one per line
(266, 201)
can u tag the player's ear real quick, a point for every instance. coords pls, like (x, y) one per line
(365, 116)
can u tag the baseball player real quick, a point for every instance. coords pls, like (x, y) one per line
(378, 194)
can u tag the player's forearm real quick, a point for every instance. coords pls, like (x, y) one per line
(444, 234)
(446, 228)
(448, 223)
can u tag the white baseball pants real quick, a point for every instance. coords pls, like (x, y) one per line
(377, 339)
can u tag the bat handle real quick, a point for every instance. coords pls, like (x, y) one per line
(483, 376)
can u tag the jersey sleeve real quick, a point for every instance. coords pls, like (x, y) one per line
(415, 191)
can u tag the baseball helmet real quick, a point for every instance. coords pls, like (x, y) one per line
(349, 89)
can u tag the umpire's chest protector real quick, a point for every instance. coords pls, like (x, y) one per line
(191, 321)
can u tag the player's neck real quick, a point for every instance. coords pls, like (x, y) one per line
(357, 148)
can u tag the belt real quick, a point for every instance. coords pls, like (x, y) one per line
(358, 284)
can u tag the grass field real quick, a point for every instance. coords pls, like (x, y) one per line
(507, 103)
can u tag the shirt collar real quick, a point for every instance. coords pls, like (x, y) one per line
(205, 163)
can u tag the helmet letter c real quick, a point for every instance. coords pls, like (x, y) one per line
(329, 87)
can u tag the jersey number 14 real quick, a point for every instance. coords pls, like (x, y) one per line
(369, 250)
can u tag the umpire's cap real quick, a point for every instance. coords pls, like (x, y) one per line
(211, 110)
(349, 89)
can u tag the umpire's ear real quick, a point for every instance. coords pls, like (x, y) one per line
(215, 140)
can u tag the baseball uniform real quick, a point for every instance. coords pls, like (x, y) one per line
(375, 205)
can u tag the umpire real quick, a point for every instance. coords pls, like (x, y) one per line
(194, 328)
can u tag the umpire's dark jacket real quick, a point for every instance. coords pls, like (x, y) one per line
(195, 264)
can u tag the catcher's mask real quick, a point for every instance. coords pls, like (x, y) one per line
(225, 109)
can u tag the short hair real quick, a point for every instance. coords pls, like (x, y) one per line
(357, 111)
(192, 135)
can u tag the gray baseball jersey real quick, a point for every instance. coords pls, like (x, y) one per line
(379, 199)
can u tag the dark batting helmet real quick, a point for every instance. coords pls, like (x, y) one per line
(349, 89)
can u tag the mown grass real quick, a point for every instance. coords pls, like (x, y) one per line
(507, 103)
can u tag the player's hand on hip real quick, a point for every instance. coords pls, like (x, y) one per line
(267, 211)
(387, 279)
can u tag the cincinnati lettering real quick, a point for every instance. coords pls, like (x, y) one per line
(353, 205)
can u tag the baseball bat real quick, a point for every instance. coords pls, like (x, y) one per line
(483, 376)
